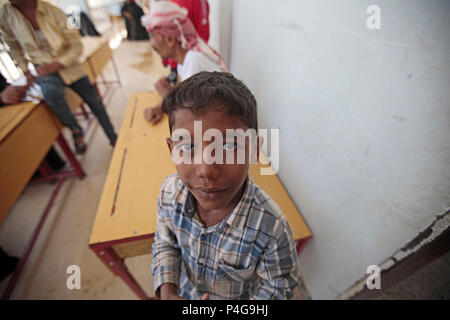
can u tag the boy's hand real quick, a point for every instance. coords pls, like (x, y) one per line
(153, 114)
(50, 68)
(205, 296)
(168, 291)
(127, 15)
(162, 85)
(13, 94)
(173, 297)
(30, 78)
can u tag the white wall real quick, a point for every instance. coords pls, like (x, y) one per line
(364, 119)
(220, 25)
(65, 4)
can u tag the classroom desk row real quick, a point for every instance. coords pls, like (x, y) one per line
(126, 217)
(27, 131)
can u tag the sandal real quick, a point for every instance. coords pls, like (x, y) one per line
(80, 146)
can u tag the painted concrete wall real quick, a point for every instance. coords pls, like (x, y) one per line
(66, 4)
(364, 119)
(220, 25)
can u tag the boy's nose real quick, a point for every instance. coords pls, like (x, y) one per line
(208, 171)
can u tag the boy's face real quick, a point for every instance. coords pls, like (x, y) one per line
(162, 44)
(214, 186)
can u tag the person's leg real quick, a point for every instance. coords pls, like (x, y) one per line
(87, 92)
(7, 264)
(54, 160)
(52, 88)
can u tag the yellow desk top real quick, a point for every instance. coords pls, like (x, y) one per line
(90, 45)
(139, 164)
(11, 116)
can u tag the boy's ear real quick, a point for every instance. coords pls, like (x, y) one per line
(170, 41)
(169, 144)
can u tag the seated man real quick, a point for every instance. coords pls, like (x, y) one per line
(198, 12)
(40, 30)
(172, 35)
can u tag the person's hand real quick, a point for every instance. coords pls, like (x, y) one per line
(13, 94)
(168, 291)
(50, 68)
(162, 85)
(30, 78)
(172, 297)
(154, 114)
(127, 15)
(177, 297)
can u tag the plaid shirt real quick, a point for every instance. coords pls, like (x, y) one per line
(249, 255)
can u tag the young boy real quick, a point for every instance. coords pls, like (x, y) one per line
(173, 35)
(219, 236)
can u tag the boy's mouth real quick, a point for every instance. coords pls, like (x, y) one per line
(210, 193)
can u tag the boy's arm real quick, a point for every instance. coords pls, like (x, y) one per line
(74, 51)
(166, 257)
(278, 268)
(15, 49)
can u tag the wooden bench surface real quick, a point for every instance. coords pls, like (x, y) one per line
(12, 116)
(95, 56)
(140, 163)
(91, 45)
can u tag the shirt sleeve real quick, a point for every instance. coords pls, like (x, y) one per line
(71, 55)
(195, 63)
(15, 49)
(165, 249)
(278, 268)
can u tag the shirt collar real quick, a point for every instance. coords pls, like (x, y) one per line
(235, 218)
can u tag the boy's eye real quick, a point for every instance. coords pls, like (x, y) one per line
(229, 146)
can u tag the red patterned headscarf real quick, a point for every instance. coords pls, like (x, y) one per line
(169, 19)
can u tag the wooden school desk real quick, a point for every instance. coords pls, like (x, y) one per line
(126, 217)
(27, 131)
(95, 57)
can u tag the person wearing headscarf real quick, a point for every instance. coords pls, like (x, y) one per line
(198, 13)
(173, 35)
(132, 14)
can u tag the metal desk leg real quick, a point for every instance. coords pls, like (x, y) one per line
(118, 267)
(83, 111)
(301, 244)
(70, 156)
(24, 258)
(116, 71)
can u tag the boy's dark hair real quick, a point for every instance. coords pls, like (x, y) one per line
(209, 89)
